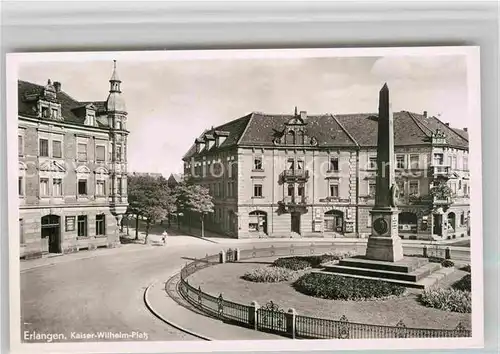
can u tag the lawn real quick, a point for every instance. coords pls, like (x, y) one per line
(226, 278)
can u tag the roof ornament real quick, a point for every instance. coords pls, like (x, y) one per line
(295, 111)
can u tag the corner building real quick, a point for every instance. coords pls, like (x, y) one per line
(72, 169)
(314, 176)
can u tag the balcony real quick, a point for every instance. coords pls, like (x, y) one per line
(294, 203)
(295, 175)
(440, 171)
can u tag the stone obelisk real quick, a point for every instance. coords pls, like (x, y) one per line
(384, 243)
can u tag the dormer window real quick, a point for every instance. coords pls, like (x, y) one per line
(55, 113)
(45, 112)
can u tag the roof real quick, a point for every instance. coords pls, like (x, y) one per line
(68, 103)
(176, 176)
(342, 130)
(462, 132)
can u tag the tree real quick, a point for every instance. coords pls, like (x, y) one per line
(190, 198)
(147, 198)
(200, 201)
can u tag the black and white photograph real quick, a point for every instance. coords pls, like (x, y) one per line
(289, 199)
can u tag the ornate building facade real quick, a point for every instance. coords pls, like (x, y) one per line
(314, 176)
(72, 169)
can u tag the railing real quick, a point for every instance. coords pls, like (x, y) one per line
(298, 200)
(440, 171)
(295, 174)
(272, 318)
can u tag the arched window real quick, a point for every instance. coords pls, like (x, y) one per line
(334, 221)
(291, 137)
(452, 223)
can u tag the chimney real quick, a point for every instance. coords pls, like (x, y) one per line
(425, 114)
(465, 130)
(303, 115)
(57, 86)
(447, 124)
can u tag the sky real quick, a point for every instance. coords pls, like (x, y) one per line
(171, 102)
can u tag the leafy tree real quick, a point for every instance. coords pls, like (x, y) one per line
(192, 198)
(148, 199)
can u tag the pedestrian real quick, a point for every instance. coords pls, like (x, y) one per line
(164, 236)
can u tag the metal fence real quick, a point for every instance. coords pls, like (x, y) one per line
(271, 318)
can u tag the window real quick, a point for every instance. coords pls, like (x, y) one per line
(100, 152)
(21, 186)
(466, 163)
(44, 148)
(372, 187)
(100, 188)
(20, 145)
(334, 190)
(257, 163)
(257, 190)
(120, 186)
(70, 223)
(57, 187)
(44, 187)
(55, 113)
(438, 159)
(300, 164)
(334, 164)
(450, 159)
(414, 188)
(401, 187)
(462, 219)
(300, 190)
(21, 232)
(290, 164)
(82, 152)
(372, 161)
(460, 184)
(82, 187)
(56, 149)
(82, 225)
(454, 163)
(45, 112)
(118, 152)
(414, 161)
(400, 161)
(100, 225)
(291, 190)
(453, 188)
(466, 189)
(119, 125)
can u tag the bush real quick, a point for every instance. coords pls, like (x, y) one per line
(293, 263)
(270, 275)
(304, 262)
(447, 299)
(447, 263)
(463, 284)
(466, 268)
(336, 287)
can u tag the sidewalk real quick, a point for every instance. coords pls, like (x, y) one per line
(171, 312)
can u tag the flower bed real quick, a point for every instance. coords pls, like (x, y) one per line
(463, 284)
(304, 262)
(447, 299)
(270, 275)
(336, 287)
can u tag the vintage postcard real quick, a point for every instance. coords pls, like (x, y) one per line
(174, 201)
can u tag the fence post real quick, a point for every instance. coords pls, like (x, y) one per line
(425, 251)
(252, 314)
(290, 322)
(447, 253)
(222, 256)
(237, 256)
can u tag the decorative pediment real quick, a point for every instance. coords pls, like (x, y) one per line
(82, 169)
(52, 166)
(101, 171)
(296, 121)
(22, 166)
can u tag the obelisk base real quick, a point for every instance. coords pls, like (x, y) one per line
(384, 244)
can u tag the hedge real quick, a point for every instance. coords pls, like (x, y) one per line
(270, 275)
(304, 262)
(447, 300)
(463, 284)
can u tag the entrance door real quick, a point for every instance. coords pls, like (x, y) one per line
(438, 225)
(51, 232)
(296, 222)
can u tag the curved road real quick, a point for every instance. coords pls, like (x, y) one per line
(105, 293)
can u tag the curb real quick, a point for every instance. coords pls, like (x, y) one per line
(173, 324)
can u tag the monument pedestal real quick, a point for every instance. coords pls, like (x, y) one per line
(384, 244)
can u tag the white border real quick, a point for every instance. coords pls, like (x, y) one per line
(474, 114)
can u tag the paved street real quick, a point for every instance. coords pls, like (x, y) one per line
(102, 290)
(103, 293)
